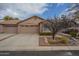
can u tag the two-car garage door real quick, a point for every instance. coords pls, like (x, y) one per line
(28, 29)
(8, 29)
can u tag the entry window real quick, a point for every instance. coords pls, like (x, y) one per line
(45, 28)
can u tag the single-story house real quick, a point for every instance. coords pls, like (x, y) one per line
(33, 24)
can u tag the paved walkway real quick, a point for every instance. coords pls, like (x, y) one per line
(29, 42)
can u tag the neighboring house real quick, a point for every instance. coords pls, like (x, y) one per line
(30, 25)
(1, 29)
(9, 26)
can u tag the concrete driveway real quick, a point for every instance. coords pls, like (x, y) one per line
(20, 41)
(5, 35)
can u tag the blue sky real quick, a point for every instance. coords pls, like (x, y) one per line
(25, 10)
(55, 10)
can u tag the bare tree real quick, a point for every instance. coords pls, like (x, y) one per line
(57, 24)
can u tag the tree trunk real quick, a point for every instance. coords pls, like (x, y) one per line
(53, 36)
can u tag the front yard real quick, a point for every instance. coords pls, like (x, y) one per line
(64, 41)
(61, 39)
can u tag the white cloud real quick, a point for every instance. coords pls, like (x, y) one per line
(59, 4)
(22, 10)
(11, 12)
(64, 12)
(8, 12)
(32, 8)
(69, 11)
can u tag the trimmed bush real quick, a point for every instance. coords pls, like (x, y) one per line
(53, 41)
(46, 33)
(64, 40)
(50, 42)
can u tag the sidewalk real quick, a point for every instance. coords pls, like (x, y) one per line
(42, 48)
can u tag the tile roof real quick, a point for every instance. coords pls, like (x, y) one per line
(34, 20)
(10, 22)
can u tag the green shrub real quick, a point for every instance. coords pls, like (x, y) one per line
(73, 34)
(46, 33)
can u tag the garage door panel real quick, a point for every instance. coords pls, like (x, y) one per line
(10, 29)
(28, 30)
